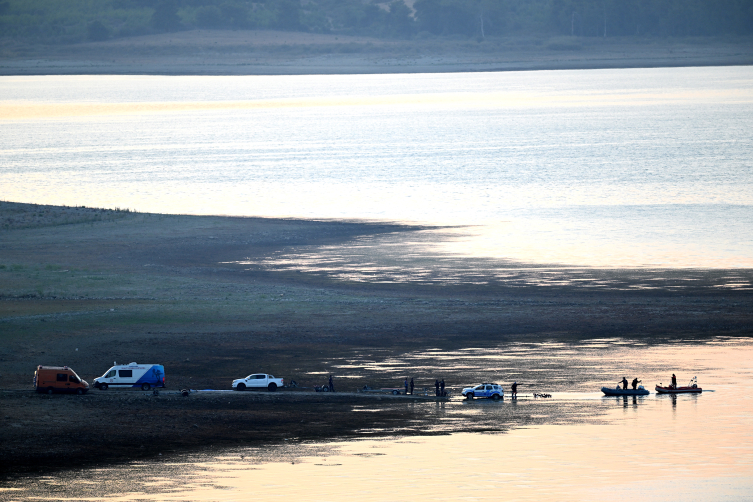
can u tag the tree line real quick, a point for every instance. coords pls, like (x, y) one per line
(78, 20)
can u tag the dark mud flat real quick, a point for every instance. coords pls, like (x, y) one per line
(42, 433)
(216, 298)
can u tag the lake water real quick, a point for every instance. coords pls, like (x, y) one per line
(600, 168)
(577, 445)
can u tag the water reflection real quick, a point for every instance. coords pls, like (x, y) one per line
(577, 445)
(453, 256)
(564, 167)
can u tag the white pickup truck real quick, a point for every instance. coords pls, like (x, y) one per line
(258, 381)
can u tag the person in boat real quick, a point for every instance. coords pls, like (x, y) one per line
(514, 389)
(624, 383)
(635, 383)
(674, 381)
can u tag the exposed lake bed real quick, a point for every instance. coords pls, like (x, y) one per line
(80, 294)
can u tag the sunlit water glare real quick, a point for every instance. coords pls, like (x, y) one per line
(613, 168)
(577, 445)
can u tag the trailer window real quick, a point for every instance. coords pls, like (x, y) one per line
(62, 377)
(125, 373)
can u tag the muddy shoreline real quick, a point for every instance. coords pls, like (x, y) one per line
(61, 431)
(85, 287)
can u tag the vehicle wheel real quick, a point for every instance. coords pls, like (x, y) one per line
(50, 390)
(469, 395)
(103, 386)
(80, 391)
(495, 397)
(325, 389)
(272, 387)
(395, 392)
(240, 386)
(145, 386)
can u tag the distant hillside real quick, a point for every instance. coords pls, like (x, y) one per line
(72, 21)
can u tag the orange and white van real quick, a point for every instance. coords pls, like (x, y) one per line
(51, 379)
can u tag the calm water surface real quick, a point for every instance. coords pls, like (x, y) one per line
(639, 167)
(575, 446)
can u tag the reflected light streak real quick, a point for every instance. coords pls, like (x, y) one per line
(21, 110)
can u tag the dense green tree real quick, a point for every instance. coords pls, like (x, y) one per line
(288, 14)
(209, 16)
(165, 17)
(399, 20)
(97, 31)
(75, 20)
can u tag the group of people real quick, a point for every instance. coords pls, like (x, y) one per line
(624, 383)
(407, 385)
(438, 385)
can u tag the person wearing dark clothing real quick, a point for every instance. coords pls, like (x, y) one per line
(406, 386)
(624, 383)
(674, 381)
(635, 383)
(331, 385)
(411, 386)
(441, 388)
(436, 386)
(514, 389)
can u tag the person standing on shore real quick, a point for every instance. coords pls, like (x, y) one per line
(441, 388)
(436, 386)
(514, 390)
(411, 386)
(331, 385)
(406, 386)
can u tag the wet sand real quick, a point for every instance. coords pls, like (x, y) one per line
(85, 287)
(220, 52)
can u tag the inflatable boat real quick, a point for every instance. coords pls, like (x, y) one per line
(617, 391)
(693, 389)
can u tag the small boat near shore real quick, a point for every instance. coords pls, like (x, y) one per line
(617, 391)
(693, 389)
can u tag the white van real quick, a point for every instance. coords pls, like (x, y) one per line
(145, 376)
